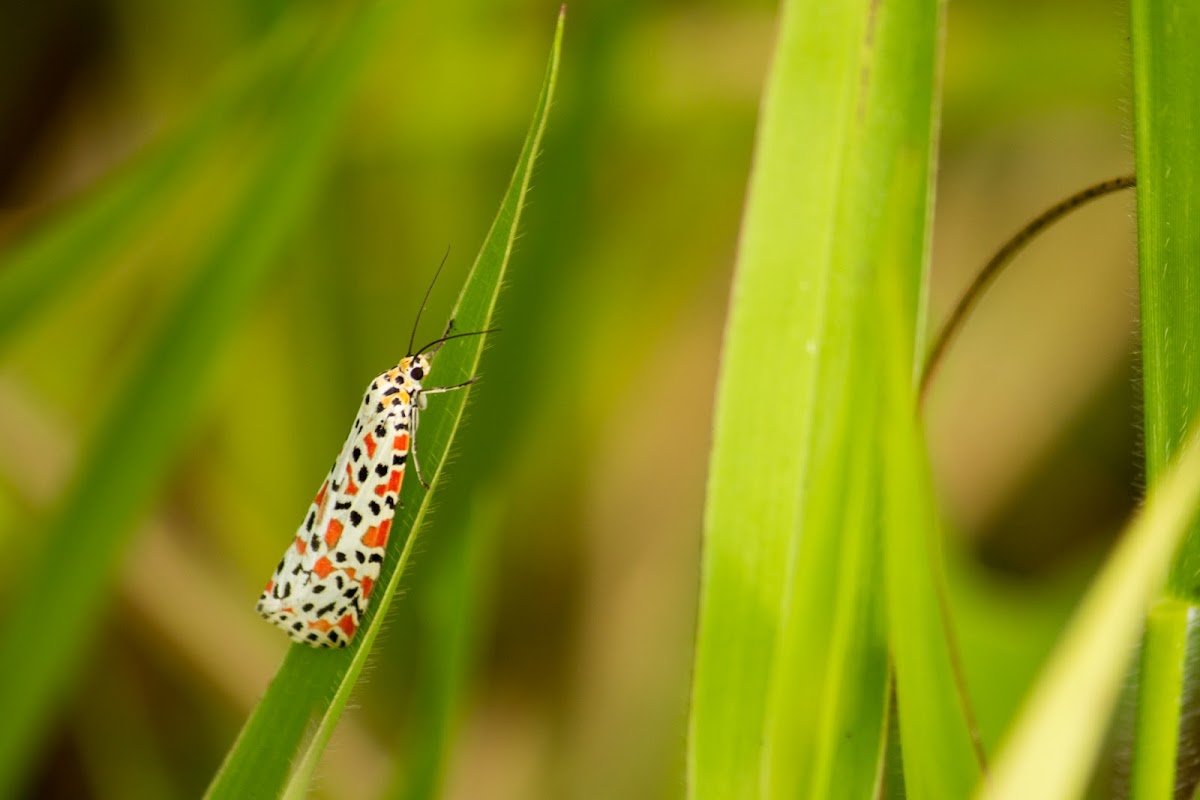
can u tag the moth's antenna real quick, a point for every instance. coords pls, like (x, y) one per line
(444, 339)
(421, 310)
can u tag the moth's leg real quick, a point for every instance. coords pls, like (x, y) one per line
(418, 404)
(443, 389)
(414, 418)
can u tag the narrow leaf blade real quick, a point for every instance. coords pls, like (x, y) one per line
(316, 684)
(1054, 742)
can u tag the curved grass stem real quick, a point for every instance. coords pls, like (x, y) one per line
(1000, 260)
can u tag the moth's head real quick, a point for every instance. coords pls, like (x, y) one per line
(413, 369)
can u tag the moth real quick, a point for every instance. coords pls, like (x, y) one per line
(322, 586)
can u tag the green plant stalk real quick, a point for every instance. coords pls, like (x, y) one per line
(1166, 73)
(1055, 740)
(314, 684)
(1160, 685)
(45, 635)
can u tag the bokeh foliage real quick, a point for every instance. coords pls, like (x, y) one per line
(541, 641)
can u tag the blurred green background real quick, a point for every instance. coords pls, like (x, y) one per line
(545, 628)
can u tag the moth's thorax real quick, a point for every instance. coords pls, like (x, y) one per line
(397, 387)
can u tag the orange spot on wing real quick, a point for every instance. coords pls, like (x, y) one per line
(401, 442)
(394, 482)
(351, 486)
(322, 567)
(369, 441)
(371, 537)
(270, 586)
(351, 571)
(367, 586)
(381, 489)
(377, 535)
(323, 625)
(346, 623)
(301, 545)
(333, 533)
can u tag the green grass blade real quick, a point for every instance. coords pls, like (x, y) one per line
(932, 710)
(790, 688)
(1166, 71)
(58, 256)
(761, 454)
(1053, 744)
(939, 740)
(1159, 699)
(45, 634)
(315, 684)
